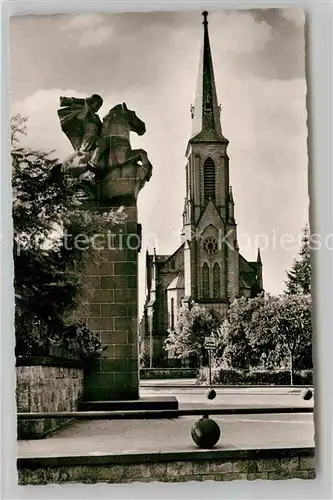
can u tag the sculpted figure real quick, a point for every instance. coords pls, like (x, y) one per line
(102, 151)
(81, 124)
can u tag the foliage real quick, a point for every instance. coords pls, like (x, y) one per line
(269, 332)
(193, 325)
(284, 323)
(299, 277)
(281, 329)
(223, 376)
(46, 219)
(144, 360)
(78, 338)
(18, 127)
(239, 353)
(167, 373)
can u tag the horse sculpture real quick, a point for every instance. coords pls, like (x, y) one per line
(114, 144)
(102, 152)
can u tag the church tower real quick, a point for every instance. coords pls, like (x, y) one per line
(209, 228)
(207, 268)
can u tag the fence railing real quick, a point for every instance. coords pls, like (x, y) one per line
(137, 414)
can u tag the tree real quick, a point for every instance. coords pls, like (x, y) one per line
(46, 205)
(299, 277)
(18, 126)
(193, 325)
(285, 324)
(239, 353)
(294, 326)
(260, 332)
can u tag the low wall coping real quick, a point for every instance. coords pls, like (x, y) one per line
(49, 361)
(167, 369)
(190, 455)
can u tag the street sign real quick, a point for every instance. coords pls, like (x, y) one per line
(210, 342)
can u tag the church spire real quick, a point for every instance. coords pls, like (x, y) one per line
(259, 257)
(206, 111)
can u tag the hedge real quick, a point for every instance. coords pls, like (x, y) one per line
(222, 376)
(171, 373)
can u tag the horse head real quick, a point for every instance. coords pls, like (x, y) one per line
(136, 125)
(120, 113)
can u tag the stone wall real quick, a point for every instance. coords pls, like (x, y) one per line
(46, 386)
(218, 465)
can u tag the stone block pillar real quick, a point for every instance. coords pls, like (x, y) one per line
(111, 175)
(111, 305)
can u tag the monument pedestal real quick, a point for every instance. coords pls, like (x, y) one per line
(111, 304)
(110, 311)
(111, 175)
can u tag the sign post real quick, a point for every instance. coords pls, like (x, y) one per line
(210, 344)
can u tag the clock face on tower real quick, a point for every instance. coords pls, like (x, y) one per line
(210, 245)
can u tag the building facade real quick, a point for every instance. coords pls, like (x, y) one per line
(207, 268)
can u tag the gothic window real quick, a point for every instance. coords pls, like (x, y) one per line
(216, 281)
(205, 280)
(209, 180)
(172, 313)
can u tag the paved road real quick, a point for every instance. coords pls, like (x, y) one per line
(158, 435)
(192, 396)
(154, 436)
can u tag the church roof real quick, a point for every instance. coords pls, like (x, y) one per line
(206, 124)
(248, 272)
(162, 258)
(167, 258)
(177, 283)
(243, 283)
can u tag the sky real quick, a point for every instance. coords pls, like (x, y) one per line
(150, 61)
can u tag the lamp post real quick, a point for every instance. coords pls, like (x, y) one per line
(206, 432)
(210, 367)
(210, 343)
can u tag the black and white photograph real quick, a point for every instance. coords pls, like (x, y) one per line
(162, 247)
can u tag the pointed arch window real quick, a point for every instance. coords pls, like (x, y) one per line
(205, 280)
(216, 281)
(209, 180)
(208, 105)
(172, 314)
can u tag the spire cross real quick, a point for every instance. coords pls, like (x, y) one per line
(205, 14)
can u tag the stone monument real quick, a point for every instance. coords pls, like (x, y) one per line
(112, 175)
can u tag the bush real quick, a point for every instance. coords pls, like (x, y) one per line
(222, 376)
(75, 342)
(167, 373)
(144, 360)
(79, 339)
(47, 217)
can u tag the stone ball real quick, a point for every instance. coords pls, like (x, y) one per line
(211, 394)
(205, 433)
(307, 394)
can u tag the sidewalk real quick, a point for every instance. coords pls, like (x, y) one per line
(94, 438)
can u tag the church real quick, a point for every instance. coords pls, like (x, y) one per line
(207, 268)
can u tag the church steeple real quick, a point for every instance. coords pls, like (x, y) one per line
(259, 261)
(206, 111)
